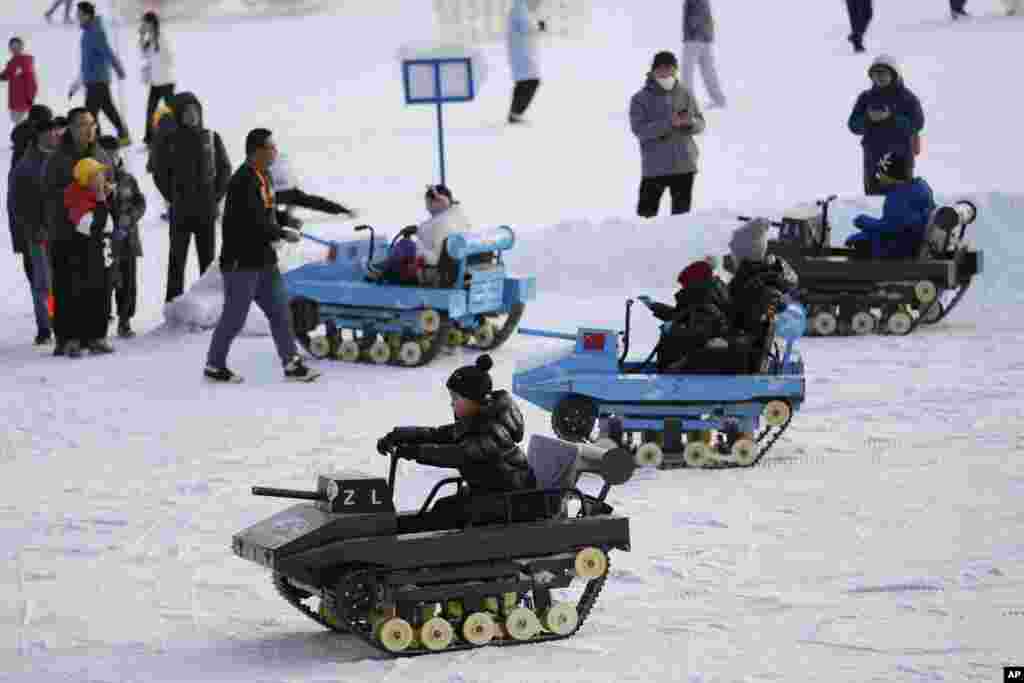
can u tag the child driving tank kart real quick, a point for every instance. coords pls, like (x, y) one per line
(482, 444)
(908, 207)
(760, 284)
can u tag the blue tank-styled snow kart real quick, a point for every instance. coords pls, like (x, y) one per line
(846, 293)
(368, 317)
(666, 419)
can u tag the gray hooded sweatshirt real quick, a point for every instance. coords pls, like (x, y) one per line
(665, 150)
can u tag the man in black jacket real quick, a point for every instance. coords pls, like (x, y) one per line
(76, 323)
(29, 232)
(483, 444)
(192, 172)
(248, 263)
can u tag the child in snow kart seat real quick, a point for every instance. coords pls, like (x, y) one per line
(908, 206)
(760, 283)
(698, 321)
(482, 444)
(446, 217)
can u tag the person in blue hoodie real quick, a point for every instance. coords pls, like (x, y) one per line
(888, 117)
(909, 204)
(97, 59)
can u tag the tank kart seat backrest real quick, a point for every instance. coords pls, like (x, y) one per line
(554, 464)
(937, 238)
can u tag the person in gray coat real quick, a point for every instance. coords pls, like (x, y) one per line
(664, 116)
(698, 36)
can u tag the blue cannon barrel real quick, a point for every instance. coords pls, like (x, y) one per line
(463, 244)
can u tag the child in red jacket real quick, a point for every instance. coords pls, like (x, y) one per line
(20, 73)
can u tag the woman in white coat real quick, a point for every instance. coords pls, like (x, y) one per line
(522, 55)
(157, 67)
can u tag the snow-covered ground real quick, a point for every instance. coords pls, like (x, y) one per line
(880, 541)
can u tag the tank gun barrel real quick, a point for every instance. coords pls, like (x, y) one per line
(286, 493)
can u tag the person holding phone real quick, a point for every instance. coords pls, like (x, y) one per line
(664, 116)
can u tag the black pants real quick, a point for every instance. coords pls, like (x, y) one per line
(523, 94)
(81, 297)
(97, 99)
(860, 16)
(181, 235)
(156, 93)
(957, 6)
(679, 185)
(124, 282)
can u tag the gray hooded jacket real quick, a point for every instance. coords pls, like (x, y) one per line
(665, 150)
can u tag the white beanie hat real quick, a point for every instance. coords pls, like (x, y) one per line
(750, 241)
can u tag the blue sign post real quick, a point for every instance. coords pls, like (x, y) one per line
(436, 81)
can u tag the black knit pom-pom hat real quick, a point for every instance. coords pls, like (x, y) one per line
(473, 381)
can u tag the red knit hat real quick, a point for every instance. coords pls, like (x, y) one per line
(698, 271)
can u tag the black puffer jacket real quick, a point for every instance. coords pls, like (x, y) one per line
(757, 286)
(192, 168)
(484, 448)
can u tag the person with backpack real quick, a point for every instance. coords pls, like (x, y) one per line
(191, 171)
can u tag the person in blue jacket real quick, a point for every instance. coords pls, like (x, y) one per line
(908, 207)
(97, 59)
(888, 117)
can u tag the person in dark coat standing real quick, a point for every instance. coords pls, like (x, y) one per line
(664, 116)
(956, 9)
(97, 60)
(482, 443)
(127, 207)
(192, 171)
(861, 13)
(75, 324)
(888, 117)
(30, 235)
(248, 263)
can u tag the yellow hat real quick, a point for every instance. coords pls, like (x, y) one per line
(86, 170)
(162, 111)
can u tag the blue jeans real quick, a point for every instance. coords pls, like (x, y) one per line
(241, 289)
(37, 270)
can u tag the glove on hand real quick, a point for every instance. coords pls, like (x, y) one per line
(291, 235)
(407, 451)
(384, 445)
(352, 213)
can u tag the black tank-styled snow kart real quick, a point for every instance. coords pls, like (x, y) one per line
(350, 562)
(845, 293)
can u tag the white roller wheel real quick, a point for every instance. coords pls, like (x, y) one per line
(430, 320)
(410, 353)
(824, 323)
(862, 322)
(561, 618)
(320, 347)
(591, 563)
(436, 634)
(744, 452)
(395, 634)
(925, 291)
(648, 455)
(697, 454)
(522, 624)
(484, 334)
(348, 351)
(478, 628)
(776, 413)
(380, 352)
(899, 323)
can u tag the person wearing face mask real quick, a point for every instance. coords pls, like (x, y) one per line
(191, 171)
(888, 117)
(664, 116)
(157, 67)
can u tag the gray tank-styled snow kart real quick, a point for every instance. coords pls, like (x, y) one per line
(348, 561)
(847, 294)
